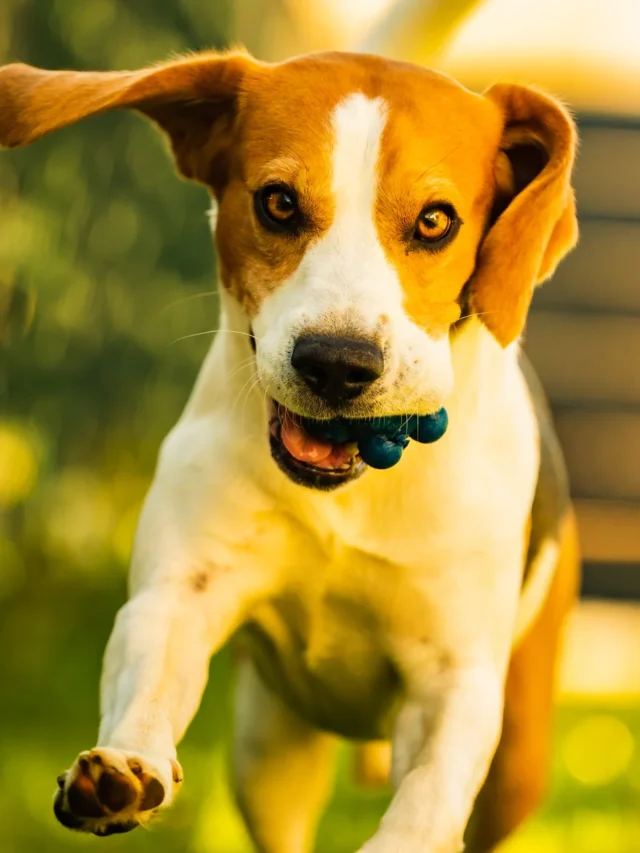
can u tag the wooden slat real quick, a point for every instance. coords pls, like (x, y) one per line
(601, 449)
(584, 339)
(586, 358)
(607, 179)
(602, 273)
(611, 580)
(609, 531)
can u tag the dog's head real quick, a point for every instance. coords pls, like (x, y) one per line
(363, 206)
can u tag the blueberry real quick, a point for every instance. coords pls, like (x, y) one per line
(379, 452)
(390, 426)
(429, 428)
(380, 440)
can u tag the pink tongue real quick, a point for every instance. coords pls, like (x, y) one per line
(305, 448)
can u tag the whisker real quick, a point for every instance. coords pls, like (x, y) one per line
(479, 314)
(211, 332)
(249, 380)
(441, 160)
(426, 317)
(264, 399)
(189, 298)
(238, 369)
(246, 399)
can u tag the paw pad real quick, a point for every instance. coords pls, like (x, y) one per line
(108, 792)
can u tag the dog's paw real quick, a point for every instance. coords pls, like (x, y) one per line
(109, 790)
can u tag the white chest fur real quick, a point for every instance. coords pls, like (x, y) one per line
(422, 560)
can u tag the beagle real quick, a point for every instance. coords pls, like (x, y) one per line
(380, 231)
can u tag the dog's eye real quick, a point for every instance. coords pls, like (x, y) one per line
(435, 223)
(277, 208)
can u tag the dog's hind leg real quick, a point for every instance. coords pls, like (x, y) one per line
(282, 768)
(517, 780)
(372, 763)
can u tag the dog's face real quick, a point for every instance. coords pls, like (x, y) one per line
(362, 204)
(356, 228)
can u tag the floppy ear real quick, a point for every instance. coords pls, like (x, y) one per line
(192, 99)
(534, 219)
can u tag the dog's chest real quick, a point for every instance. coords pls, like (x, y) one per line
(327, 642)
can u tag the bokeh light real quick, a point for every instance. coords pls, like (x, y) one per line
(18, 463)
(598, 749)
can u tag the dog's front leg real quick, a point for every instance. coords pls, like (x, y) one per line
(191, 586)
(155, 671)
(443, 743)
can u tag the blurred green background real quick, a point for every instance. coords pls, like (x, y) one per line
(106, 312)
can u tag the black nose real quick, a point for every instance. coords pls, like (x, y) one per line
(337, 369)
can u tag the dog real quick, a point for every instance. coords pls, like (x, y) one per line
(380, 231)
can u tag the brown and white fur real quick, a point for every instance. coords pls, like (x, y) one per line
(422, 604)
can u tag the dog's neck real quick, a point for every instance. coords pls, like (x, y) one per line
(483, 369)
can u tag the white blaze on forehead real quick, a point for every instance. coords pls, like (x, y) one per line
(345, 283)
(358, 124)
(345, 273)
(349, 263)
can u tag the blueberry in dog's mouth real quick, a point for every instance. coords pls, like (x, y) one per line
(309, 460)
(326, 453)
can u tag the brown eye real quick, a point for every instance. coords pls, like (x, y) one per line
(280, 205)
(277, 209)
(434, 224)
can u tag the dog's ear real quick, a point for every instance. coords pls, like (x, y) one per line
(193, 100)
(533, 222)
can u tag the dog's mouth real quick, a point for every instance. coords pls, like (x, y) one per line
(310, 461)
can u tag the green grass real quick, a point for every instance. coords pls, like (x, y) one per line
(55, 632)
